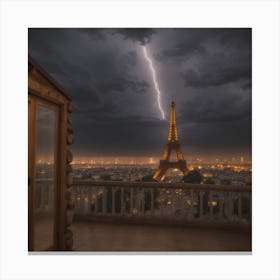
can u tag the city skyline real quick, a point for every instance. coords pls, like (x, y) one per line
(206, 71)
(150, 160)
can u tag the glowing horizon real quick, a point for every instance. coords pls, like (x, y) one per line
(243, 159)
(155, 81)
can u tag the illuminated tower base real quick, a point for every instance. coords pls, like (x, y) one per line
(172, 144)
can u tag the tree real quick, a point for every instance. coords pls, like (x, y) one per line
(193, 177)
(225, 182)
(105, 177)
(209, 181)
(148, 178)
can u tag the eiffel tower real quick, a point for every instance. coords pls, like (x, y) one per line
(173, 143)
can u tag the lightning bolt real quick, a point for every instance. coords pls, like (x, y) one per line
(154, 80)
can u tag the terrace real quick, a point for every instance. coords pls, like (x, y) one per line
(147, 216)
(144, 216)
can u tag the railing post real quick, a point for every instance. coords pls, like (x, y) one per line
(96, 201)
(75, 198)
(86, 203)
(122, 201)
(77, 202)
(42, 192)
(250, 210)
(77, 206)
(221, 205)
(104, 201)
(201, 194)
(143, 201)
(80, 199)
(210, 204)
(192, 214)
(131, 201)
(152, 200)
(90, 199)
(113, 200)
(239, 207)
(173, 199)
(138, 200)
(83, 202)
(230, 208)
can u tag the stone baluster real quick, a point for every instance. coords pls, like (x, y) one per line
(143, 202)
(192, 210)
(250, 210)
(230, 207)
(104, 202)
(96, 201)
(122, 202)
(239, 207)
(173, 199)
(90, 200)
(113, 201)
(201, 194)
(131, 201)
(79, 200)
(42, 197)
(210, 205)
(82, 201)
(87, 201)
(221, 206)
(152, 200)
(75, 196)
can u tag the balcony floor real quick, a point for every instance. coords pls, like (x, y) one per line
(98, 236)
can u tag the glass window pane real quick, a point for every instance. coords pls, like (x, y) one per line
(44, 191)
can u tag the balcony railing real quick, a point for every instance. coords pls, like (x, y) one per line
(162, 202)
(43, 196)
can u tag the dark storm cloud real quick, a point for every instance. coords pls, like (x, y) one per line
(114, 106)
(247, 86)
(216, 108)
(121, 136)
(82, 66)
(94, 33)
(212, 75)
(140, 35)
(182, 50)
(198, 40)
(231, 138)
(222, 55)
(185, 45)
(123, 82)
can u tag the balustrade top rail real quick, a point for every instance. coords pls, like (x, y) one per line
(206, 187)
(153, 201)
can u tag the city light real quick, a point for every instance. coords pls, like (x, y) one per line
(212, 203)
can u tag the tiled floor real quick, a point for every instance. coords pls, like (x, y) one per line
(98, 236)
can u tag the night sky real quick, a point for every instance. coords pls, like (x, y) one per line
(207, 72)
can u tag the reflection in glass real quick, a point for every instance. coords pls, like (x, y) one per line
(44, 190)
